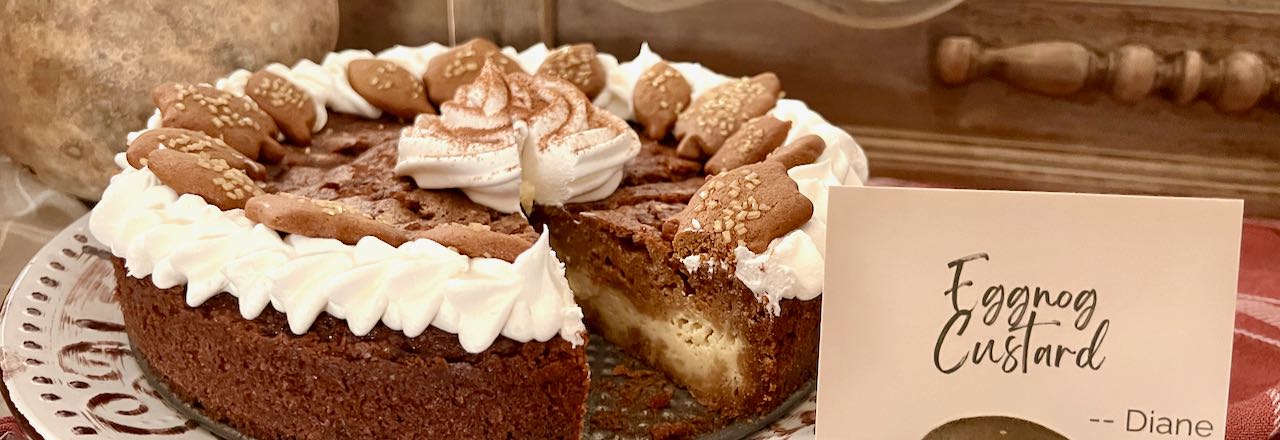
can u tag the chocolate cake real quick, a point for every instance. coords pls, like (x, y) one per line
(253, 375)
(408, 244)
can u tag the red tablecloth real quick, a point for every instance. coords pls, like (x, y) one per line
(1255, 365)
(1254, 412)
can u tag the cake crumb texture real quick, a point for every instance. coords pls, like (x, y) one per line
(256, 377)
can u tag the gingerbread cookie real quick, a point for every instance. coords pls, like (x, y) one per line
(577, 64)
(750, 144)
(194, 142)
(309, 217)
(802, 151)
(389, 87)
(286, 103)
(659, 96)
(459, 66)
(237, 120)
(210, 178)
(749, 206)
(718, 113)
(476, 240)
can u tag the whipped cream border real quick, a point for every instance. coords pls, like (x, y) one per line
(135, 203)
(181, 239)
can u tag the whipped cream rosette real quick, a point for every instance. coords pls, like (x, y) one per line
(503, 128)
(575, 151)
(472, 145)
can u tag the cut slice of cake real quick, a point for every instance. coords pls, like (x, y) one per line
(714, 278)
(692, 318)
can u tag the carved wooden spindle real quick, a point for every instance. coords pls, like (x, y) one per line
(1237, 82)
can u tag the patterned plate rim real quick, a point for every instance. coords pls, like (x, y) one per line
(18, 416)
(84, 387)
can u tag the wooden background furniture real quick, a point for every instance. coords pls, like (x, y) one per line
(1170, 97)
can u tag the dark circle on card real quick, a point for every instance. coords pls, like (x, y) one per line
(992, 428)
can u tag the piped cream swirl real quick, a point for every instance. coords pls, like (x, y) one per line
(472, 145)
(575, 152)
(505, 128)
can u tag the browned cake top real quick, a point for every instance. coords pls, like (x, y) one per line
(248, 151)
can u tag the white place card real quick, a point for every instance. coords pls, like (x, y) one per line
(956, 314)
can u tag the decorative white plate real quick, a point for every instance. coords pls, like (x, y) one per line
(68, 370)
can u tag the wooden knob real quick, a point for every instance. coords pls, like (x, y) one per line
(1052, 68)
(955, 59)
(1239, 82)
(1130, 73)
(1184, 77)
